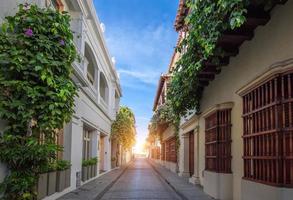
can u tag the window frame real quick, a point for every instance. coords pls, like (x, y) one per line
(87, 144)
(218, 141)
(268, 130)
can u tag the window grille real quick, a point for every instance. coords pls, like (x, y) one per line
(268, 131)
(163, 151)
(218, 141)
(171, 154)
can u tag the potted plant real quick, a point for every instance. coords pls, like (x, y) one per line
(42, 185)
(62, 166)
(84, 170)
(67, 177)
(94, 162)
(89, 171)
(51, 178)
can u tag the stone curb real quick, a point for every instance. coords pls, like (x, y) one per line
(108, 187)
(180, 194)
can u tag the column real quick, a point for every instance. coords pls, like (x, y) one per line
(195, 177)
(184, 171)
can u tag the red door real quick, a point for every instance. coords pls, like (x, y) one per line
(191, 153)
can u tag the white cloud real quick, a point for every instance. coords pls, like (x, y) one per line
(141, 48)
(149, 77)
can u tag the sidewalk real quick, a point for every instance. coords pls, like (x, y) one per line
(185, 189)
(95, 188)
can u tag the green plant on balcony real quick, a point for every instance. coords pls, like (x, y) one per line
(205, 22)
(165, 115)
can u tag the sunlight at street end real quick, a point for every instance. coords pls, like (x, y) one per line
(139, 147)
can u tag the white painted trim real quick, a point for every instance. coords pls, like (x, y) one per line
(274, 69)
(216, 107)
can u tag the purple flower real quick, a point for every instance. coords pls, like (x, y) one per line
(29, 32)
(61, 42)
(26, 6)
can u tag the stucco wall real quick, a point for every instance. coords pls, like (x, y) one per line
(257, 191)
(271, 43)
(168, 133)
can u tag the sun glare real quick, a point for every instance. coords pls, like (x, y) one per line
(139, 147)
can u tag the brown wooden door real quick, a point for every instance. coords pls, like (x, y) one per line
(191, 153)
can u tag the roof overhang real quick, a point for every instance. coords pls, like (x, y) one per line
(230, 40)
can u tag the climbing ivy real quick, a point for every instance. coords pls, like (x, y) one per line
(123, 128)
(36, 93)
(165, 115)
(206, 21)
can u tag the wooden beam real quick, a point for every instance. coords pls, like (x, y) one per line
(207, 77)
(256, 16)
(203, 84)
(235, 37)
(222, 62)
(207, 72)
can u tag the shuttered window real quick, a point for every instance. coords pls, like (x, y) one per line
(171, 154)
(218, 141)
(268, 131)
(163, 151)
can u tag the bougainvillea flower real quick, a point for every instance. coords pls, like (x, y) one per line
(26, 6)
(61, 42)
(29, 32)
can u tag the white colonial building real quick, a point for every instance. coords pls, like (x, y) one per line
(88, 133)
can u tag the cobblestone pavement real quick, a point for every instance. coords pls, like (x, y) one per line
(141, 179)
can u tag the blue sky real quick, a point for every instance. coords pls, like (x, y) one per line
(141, 37)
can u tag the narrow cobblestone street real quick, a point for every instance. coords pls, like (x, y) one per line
(140, 181)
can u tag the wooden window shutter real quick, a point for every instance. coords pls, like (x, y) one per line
(268, 132)
(218, 141)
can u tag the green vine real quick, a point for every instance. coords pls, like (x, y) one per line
(165, 115)
(36, 94)
(206, 21)
(123, 128)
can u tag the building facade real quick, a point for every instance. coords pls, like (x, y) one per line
(87, 135)
(239, 146)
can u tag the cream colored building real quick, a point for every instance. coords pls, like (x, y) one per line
(240, 145)
(88, 133)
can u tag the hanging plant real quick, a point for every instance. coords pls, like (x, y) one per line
(206, 21)
(165, 115)
(36, 93)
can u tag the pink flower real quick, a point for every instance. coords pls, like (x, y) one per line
(29, 32)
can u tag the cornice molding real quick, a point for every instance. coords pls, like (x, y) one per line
(273, 70)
